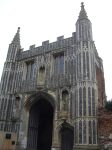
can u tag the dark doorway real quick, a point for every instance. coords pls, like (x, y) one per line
(40, 126)
(67, 139)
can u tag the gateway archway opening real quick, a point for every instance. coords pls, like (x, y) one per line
(40, 126)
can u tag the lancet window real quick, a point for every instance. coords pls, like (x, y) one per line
(59, 64)
(30, 68)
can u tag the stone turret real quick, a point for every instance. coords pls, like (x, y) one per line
(14, 47)
(10, 64)
(83, 26)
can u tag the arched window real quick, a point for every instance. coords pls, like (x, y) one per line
(30, 68)
(59, 64)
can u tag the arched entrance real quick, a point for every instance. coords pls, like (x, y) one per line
(40, 125)
(66, 135)
(67, 139)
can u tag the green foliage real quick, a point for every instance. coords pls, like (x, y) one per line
(108, 105)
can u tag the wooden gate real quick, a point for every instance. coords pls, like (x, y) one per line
(33, 128)
(40, 126)
(67, 139)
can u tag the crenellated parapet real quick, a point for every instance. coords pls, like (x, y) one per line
(48, 47)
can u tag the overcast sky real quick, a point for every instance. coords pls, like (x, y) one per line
(41, 20)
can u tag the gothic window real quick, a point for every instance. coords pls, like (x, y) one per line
(41, 75)
(30, 68)
(59, 64)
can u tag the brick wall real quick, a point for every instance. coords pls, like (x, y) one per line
(101, 86)
(105, 128)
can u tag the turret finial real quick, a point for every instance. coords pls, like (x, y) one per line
(82, 14)
(16, 39)
(82, 4)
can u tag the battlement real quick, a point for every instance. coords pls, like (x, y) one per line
(46, 46)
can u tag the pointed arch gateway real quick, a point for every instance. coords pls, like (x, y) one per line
(41, 107)
(66, 135)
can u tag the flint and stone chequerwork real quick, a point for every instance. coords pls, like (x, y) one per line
(73, 93)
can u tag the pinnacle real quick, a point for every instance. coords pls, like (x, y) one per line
(83, 14)
(16, 39)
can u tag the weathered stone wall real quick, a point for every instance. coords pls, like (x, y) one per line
(105, 128)
(101, 86)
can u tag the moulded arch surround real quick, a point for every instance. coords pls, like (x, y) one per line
(37, 96)
(63, 125)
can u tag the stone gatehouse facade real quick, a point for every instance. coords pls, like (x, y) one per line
(49, 95)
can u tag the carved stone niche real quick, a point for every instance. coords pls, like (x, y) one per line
(64, 105)
(16, 109)
(41, 76)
